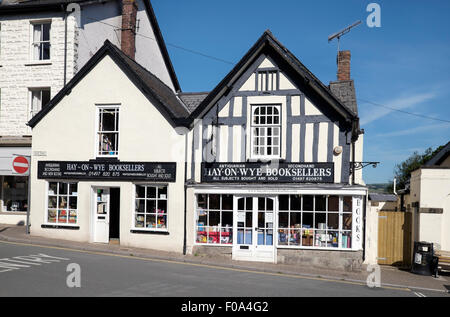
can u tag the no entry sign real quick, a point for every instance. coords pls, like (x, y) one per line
(20, 165)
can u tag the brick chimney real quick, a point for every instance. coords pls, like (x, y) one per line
(343, 63)
(128, 36)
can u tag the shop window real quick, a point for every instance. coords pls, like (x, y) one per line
(315, 221)
(15, 193)
(39, 97)
(40, 46)
(266, 131)
(108, 131)
(214, 219)
(151, 208)
(62, 203)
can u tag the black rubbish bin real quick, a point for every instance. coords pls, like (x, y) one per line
(423, 258)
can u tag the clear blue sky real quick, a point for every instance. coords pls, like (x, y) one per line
(404, 64)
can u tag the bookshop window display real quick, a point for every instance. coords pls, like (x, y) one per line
(322, 221)
(62, 203)
(151, 207)
(214, 220)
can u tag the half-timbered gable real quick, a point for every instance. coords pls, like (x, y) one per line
(270, 107)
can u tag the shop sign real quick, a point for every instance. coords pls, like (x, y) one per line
(357, 222)
(268, 173)
(111, 171)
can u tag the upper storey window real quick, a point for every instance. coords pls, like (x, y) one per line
(40, 46)
(266, 128)
(108, 131)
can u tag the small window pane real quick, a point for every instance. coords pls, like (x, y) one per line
(214, 202)
(347, 204)
(308, 203)
(321, 203)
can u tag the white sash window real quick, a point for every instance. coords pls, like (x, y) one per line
(266, 131)
(40, 46)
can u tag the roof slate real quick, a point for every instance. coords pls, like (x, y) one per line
(382, 197)
(193, 100)
(439, 157)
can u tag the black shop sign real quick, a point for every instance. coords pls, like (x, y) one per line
(108, 171)
(268, 172)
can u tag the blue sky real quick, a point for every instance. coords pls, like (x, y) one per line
(404, 64)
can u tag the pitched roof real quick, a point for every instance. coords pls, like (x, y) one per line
(150, 85)
(268, 40)
(192, 99)
(440, 156)
(382, 197)
(23, 6)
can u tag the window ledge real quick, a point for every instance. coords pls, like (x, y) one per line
(36, 63)
(47, 226)
(155, 232)
(11, 213)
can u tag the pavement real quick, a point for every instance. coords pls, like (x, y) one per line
(391, 277)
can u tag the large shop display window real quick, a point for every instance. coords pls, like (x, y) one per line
(151, 208)
(15, 193)
(62, 203)
(315, 221)
(214, 219)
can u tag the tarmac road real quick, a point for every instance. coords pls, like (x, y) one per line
(28, 270)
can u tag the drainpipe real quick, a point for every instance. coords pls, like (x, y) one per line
(185, 195)
(65, 45)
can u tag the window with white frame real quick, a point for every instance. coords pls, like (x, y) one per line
(108, 131)
(62, 203)
(266, 130)
(322, 221)
(214, 219)
(40, 45)
(39, 97)
(151, 208)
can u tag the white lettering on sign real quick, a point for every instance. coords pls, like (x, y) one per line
(20, 262)
(357, 226)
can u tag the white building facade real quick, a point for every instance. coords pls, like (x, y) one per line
(42, 47)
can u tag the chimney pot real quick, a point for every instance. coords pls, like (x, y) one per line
(343, 63)
(128, 34)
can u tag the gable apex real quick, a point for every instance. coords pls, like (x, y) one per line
(150, 85)
(268, 45)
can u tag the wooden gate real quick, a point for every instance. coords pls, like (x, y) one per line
(394, 238)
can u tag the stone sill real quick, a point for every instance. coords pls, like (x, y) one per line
(13, 213)
(39, 63)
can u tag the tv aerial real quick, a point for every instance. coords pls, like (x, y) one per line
(342, 32)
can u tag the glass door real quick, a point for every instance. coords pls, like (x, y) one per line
(254, 224)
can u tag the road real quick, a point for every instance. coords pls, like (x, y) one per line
(28, 270)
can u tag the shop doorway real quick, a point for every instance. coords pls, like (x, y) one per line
(254, 223)
(106, 214)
